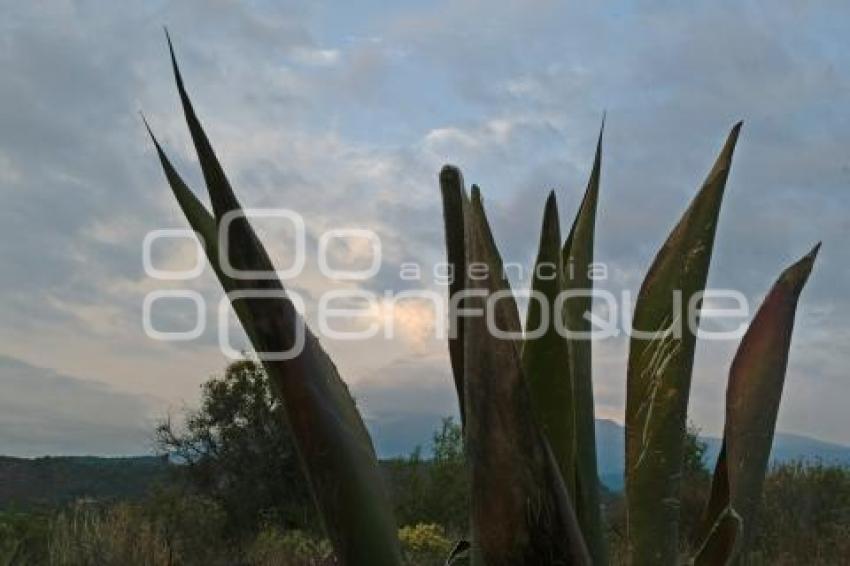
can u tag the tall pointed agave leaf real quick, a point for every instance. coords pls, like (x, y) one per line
(577, 262)
(498, 271)
(454, 202)
(659, 372)
(721, 525)
(545, 357)
(333, 444)
(204, 225)
(753, 396)
(521, 512)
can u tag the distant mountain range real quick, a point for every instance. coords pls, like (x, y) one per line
(28, 483)
(44, 482)
(610, 442)
(398, 435)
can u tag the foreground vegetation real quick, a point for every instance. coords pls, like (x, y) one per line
(805, 519)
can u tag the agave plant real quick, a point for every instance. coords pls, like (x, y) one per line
(526, 402)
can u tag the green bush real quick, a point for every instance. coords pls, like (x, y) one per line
(434, 490)
(23, 538)
(274, 547)
(424, 544)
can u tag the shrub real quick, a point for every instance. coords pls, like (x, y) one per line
(23, 537)
(86, 535)
(804, 516)
(167, 530)
(424, 543)
(274, 547)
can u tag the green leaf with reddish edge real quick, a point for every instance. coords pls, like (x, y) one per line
(658, 381)
(455, 201)
(577, 258)
(545, 357)
(333, 444)
(721, 525)
(753, 395)
(521, 512)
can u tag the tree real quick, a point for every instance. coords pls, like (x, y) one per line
(693, 464)
(237, 449)
(435, 490)
(696, 483)
(449, 479)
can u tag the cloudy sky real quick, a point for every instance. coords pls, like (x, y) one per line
(345, 115)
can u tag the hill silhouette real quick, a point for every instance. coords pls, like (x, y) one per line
(48, 481)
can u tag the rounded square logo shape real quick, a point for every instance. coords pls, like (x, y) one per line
(172, 234)
(224, 308)
(174, 336)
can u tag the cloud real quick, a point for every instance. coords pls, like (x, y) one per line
(45, 412)
(404, 403)
(318, 57)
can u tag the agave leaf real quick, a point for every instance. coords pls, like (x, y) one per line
(245, 252)
(223, 199)
(203, 223)
(718, 546)
(659, 372)
(753, 396)
(454, 202)
(520, 508)
(335, 449)
(498, 271)
(459, 554)
(577, 260)
(721, 525)
(545, 359)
